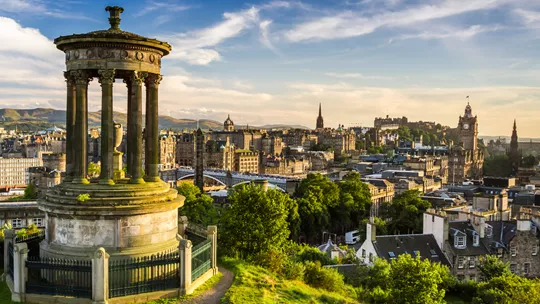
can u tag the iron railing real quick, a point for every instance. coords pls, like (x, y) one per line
(10, 261)
(37, 235)
(144, 274)
(59, 277)
(196, 233)
(201, 259)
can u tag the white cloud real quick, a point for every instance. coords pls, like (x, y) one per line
(242, 85)
(528, 16)
(448, 32)
(357, 76)
(352, 23)
(197, 47)
(152, 6)
(265, 36)
(38, 7)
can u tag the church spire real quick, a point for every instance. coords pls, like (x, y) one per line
(514, 154)
(320, 121)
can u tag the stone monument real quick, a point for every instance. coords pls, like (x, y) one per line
(128, 217)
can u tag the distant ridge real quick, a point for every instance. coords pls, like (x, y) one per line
(42, 118)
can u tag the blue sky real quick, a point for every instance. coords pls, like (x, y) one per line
(275, 61)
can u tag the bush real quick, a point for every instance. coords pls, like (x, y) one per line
(83, 197)
(22, 233)
(273, 260)
(465, 290)
(312, 254)
(321, 277)
(293, 270)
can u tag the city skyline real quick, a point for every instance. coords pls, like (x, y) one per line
(273, 62)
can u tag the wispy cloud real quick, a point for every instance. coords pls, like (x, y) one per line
(357, 76)
(450, 32)
(152, 6)
(354, 23)
(528, 16)
(38, 7)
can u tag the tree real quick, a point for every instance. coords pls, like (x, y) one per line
(498, 165)
(380, 226)
(529, 161)
(491, 267)
(508, 289)
(256, 221)
(314, 216)
(30, 191)
(198, 207)
(94, 169)
(404, 133)
(405, 280)
(354, 203)
(405, 212)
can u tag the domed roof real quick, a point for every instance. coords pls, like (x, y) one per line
(113, 35)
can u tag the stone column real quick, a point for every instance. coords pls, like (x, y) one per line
(212, 235)
(135, 127)
(80, 139)
(185, 265)
(129, 143)
(182, 226)
(9, 237)
(20, 255)
(152, 128)
(100, 276)
(106, 79)
(70, 124)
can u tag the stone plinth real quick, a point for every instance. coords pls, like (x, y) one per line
(127, 220)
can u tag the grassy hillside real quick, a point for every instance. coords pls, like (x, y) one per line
(254, 284)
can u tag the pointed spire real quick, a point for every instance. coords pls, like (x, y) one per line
(320, 111)
(515, 128)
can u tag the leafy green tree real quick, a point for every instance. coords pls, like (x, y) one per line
(508, 289)
(498, 165)
(404, 133)
(354, 203)
(197, 206)
(256, 221)
(94, 169)
(313, 212)
(491, 267)
(30, 191)
(406, 280)
(406, 212)
(529, 161)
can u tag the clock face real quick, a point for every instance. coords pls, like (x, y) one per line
(466, 126)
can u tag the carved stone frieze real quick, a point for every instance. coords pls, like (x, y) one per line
(127, 53)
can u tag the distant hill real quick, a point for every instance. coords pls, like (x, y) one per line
(41, 118)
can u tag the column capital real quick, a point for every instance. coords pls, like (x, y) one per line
(81, 77)
(106, 77)
(136, 78)
(69, 78)
(153, 80)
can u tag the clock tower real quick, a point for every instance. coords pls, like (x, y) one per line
(468, 130)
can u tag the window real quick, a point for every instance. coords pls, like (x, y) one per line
(472, 262)
(363, 253)
(472, 277)
(38, 222)
(513, 268)
(476, 240)
(489, 231)
(460, 262)
(535, 250)
(526, 268)
(433, 253)
(391, 255)
(459, 242)
(371, 257)
(499, 252)
(16, 223)
(513, 251)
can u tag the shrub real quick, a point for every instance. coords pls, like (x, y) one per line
(83, 197)
(311, 254)
(293, 270)
(273, 260)
(465, 290)
(325, 278)
(22, 233)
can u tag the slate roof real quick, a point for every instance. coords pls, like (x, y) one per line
(509, 230)
(388, 245)
(465, 227)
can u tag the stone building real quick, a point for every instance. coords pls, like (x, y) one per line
(246, 161)
(466, 159)
(219, 155)
(523, 246)
(382, 191)
(272, 145)
(167, 150)
(341, 140)
(228, 125)
(380, 122)
(14, 172)
(285, 165)
(185, 149)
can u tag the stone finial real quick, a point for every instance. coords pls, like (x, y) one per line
(114, 18)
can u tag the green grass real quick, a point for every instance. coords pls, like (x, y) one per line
(204, 287)
(254, 284)
(5, 293)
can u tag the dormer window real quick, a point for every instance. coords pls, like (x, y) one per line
(489, 231)
(476, 240)
(460, 241)
(391, 255)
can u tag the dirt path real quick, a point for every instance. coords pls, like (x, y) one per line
(214, 295)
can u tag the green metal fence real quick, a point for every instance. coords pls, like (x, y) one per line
(144, 274)
(59, 277)
(201, 259)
